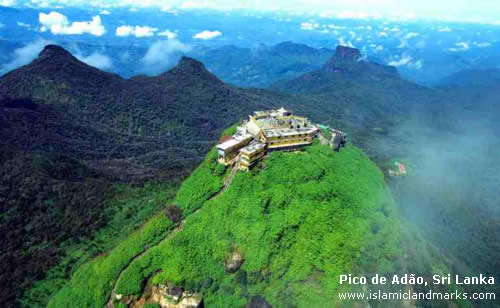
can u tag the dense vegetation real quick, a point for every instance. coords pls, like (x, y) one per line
(125, 211)
(299, 220)
(69, 133)
(91, 284)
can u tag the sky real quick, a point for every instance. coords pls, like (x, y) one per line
(487, 11)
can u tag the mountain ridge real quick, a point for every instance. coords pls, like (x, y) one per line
(76, 119)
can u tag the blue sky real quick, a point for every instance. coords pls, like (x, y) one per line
(487, 11)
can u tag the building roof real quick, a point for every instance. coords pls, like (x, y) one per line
(253, 147)
(253, 128)
(282, 110)
(226, 145)
(276, 132)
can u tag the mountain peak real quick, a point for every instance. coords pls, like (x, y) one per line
(190, 64)
(52, 51)
(347, 53)
(344, 56)
(188, 67)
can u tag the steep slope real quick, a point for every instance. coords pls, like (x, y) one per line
(175, 110)
(280, 235)
(298, 221)
(69, 132)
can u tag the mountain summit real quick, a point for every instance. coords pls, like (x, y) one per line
(343, 56)
(189, 69)
(53, 52)
(342, 70)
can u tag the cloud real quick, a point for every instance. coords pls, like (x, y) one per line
(57, 23)
(309, 26)
(96, 59)
(105, 12)
(417, 65)
(23, 25)
(411, 35)
(403, 60)
(332, 26)
(137, 31)
(169, 34)
(403, 44)
(383, 34)
(343, 42)
(482, 45)
(160, 55)
(24, 55)
(7, 2)
(461, 46)
(445, 29)
(207, 35)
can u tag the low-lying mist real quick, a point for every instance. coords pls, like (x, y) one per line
(452, 191)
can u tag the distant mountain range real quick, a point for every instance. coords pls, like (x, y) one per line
(473, 78)
(69, 131)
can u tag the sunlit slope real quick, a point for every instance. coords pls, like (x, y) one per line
(299, 220)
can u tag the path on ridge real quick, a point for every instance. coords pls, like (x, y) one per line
(227, 183)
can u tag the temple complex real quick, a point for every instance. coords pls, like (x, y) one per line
(266, 131)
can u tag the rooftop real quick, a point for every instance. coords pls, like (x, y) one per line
(275, 132)
(253, 147)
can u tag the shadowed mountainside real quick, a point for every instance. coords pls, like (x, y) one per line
(69, 132)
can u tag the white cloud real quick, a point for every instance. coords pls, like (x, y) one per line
(343, 42)
(105, 12)
(403, 44)
(445, 29)
(411, 35)
(159, 55)
(96, 59)
(461, 46)
(335, 27)
(124, 31)
(417, 65)
(309, 26)
(57, 23)
(403, 60)
(24, 55)
(7, 2)
(383, 34)
(192, 5)
(482, 45)
(169, 34)
(144, 31)
(23, 25)
(137, 31)
(207, 35)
